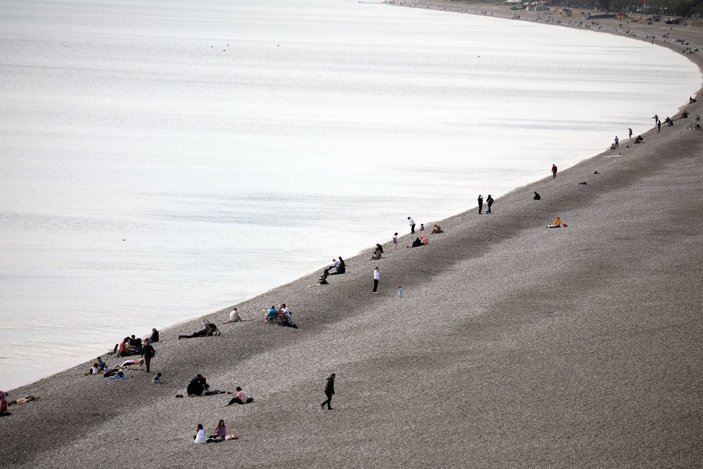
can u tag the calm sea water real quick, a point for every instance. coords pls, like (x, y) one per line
(163, 159)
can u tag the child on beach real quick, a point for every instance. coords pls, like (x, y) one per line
(395, 240)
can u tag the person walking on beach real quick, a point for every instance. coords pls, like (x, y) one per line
(554, 170)
(629, 131)
(411, 222)
(376, 278)
(148, 352)
(489, 203)
(480, 204)
(329, 392)
(395, 240)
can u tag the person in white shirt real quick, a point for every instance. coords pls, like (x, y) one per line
(200, 436)
(234, 316)
(411, 222)
(376, 278)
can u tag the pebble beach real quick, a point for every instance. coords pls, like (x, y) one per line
(513, 345)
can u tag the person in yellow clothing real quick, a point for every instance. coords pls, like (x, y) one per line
(556, 223)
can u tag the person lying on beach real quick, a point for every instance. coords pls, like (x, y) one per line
(197, 386)
(119, 376)
(416, 244)
(111, 372)
(240, 397)
(436, 229)
(22, 400)
(210, 330)
(139, 362)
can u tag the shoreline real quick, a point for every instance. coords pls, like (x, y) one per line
(375, 343)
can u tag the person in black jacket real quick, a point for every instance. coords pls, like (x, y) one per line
(148, 353)
(329, 392)
(154, 336)
(197, 386)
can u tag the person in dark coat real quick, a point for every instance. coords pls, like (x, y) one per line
(154, 336)
(480, 204)
(489, 202)
(148, 353)
(329, 392)
(197, 386)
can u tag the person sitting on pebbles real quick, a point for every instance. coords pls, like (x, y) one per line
(240, 397)
(416, 244)
(436, 229)
(557, 223)
(271, 315)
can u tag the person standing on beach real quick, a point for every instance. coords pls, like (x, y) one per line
(629, 131)
(659, 126)
(329, 392)
(411, 222)
(376, 278)
(148, 352)
(489, 202)
(395, 240)
(554, 170)
(480, 204)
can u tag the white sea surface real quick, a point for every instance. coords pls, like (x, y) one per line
(163, 159)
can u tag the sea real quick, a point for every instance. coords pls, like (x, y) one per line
(163, 159)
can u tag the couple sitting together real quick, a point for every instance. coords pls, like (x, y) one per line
(280, 316)
(423, 240)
